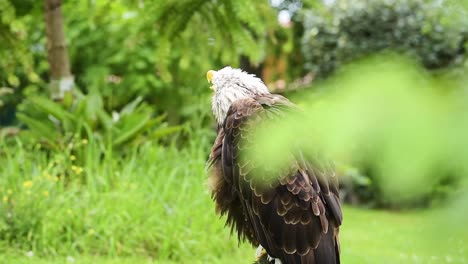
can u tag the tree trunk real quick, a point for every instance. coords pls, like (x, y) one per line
(61, 79)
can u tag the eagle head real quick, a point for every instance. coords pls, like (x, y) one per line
(230, 85)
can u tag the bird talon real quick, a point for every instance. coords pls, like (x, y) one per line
(260, 252)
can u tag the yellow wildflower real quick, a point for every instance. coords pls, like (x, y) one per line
(72, 157)
(27, 184)
(76, 169)
(5, 199)
(46, 193)
(84, 141)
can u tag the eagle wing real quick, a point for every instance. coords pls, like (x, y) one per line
(296, 216)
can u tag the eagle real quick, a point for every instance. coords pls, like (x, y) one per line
(295, 216)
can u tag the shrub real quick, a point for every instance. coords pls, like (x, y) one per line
(56, 126)
(433, 34)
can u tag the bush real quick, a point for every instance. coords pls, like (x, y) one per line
(436, 36)
(137, 205)
(399, 160)
(19, 67)
(126, 49)
(56, 125)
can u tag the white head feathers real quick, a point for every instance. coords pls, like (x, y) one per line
(230, 85)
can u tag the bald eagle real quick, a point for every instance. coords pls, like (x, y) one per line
(294, 218)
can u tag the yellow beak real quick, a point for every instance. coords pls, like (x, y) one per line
(209, 77)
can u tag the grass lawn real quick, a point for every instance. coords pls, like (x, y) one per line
(367, 236)
(152, 206)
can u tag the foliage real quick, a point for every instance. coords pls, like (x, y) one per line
(195, 36)
(407, 133)
(13, 51)
(125, 69)
(89, 178)
(148, 54)
(432, 33)
(148, 206)
(17, 67)
(57, 125)
(140, 204)
(230, 28)
(159, 51)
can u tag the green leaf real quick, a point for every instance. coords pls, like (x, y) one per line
(50, 107)
(132, 125)
(130, 107)
(40, 128)
(13, 80)
(94, 104)
(162, 132)
(105, 120)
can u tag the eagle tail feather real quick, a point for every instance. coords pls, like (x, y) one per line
(327, 252)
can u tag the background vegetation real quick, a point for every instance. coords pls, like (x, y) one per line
(114, 172)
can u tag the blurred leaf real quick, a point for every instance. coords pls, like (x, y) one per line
(130, 107)
(13, 80)
(393, 120)
(162, 132)
(50, 107)
(43, 130)
(128, 126)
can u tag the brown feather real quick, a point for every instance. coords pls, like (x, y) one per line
(296, 217)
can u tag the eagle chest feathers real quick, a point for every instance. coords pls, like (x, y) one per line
(296, 217)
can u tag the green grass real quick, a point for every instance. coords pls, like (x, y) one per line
(152, 206)
(369, 236)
